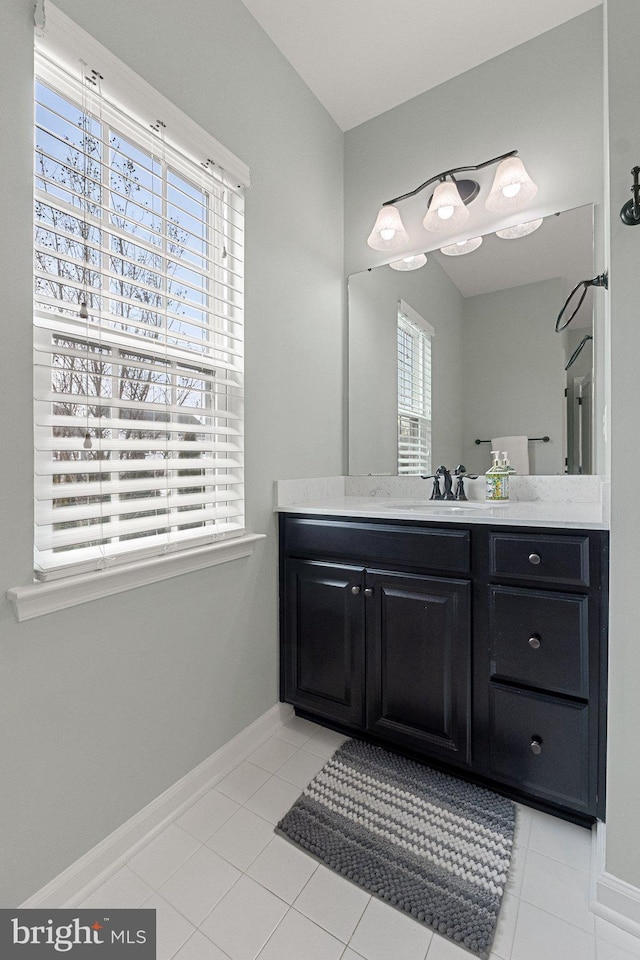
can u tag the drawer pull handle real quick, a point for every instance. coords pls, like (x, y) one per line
(536, 747)
(534, 642)
(368, 592)
(355, 591)
(534, 558)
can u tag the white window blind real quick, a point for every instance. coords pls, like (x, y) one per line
(138, 397)
(414, 392)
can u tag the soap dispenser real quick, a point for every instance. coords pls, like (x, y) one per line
(497, 480)
(507, 466)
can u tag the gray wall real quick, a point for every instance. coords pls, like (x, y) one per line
(513, 374)
(543, 98)
(105, 705)
(623, 822)
(373, 369)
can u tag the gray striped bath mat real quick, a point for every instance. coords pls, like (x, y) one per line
(437, 847)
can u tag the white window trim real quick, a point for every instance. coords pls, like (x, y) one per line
(61, 41)
(40, 598)
(414, 317)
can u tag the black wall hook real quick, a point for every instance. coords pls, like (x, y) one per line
(630, 213)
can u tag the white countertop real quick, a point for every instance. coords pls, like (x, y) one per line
(573, 502)
(539, 513)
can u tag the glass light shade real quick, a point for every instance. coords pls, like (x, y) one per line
(409, 263)
(520, 230)
(446, 211)
(462, 247)
(388, 232)
(512, 186)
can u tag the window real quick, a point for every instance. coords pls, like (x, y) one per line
(414, 392)
(138, 334)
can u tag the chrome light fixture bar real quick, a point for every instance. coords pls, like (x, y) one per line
(447, 207)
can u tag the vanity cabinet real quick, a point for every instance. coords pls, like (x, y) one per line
(384, 651)
(474, 647)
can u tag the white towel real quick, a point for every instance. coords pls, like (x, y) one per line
(517, 449)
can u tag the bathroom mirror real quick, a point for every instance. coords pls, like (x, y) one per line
(497, 363)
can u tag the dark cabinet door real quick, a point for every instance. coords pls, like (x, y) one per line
(418, 669)
(323, 633)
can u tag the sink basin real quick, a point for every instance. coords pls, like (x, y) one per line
(436, 506)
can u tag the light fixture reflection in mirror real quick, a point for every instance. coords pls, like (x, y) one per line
(497, 363)
(519, 230)
(409, 263)
(463, 246)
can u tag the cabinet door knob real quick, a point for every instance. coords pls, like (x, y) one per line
(534, 642)
(534, 558)
(355, 591)
(368, 591)
(536, 747)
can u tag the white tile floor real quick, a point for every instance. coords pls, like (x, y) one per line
(226, 888)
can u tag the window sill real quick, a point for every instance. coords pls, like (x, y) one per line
(38, 599)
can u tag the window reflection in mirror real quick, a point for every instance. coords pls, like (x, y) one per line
(414, 392)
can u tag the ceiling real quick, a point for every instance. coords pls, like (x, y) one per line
(363, 57)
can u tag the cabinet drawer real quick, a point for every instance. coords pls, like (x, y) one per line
(380, 543)
(559, 769)
(561, 560)
(540, 639)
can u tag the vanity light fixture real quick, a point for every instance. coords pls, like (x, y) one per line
(512, 186)
(461, 247)
(409, 263)
(447, 210)
(389, 231)
(520, 230)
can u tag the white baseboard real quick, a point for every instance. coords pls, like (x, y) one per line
(84, 876)
(612, 899)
